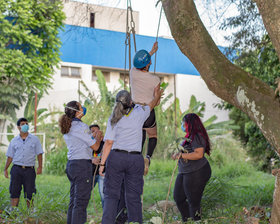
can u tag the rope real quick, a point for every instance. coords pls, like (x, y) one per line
(157, 38)
(130, 28)
(169, 189)
(126, 43)
(94, 175)
(132, 24)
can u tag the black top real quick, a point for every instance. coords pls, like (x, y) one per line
(98, 151)
(193, 165)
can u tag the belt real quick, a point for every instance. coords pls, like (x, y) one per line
(24, 167)
(124, 151)
(143, 104)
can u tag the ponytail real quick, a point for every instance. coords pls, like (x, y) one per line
(65, 124)
(118, 113)
(65, 120)
(123, 104)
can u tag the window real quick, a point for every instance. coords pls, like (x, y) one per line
(124, 77)
(106, 75)
(92, 20)
(73, 72)
(64, 71)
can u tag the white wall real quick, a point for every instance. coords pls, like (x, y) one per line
(188, 85)
(108, 18)
(65, 89)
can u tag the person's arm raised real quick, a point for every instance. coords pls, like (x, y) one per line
(98, 137)
(154, 49)
(157, 94)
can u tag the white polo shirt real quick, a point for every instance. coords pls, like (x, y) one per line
(78, 141)
(127, 133)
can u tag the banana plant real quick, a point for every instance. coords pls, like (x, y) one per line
(29, 112)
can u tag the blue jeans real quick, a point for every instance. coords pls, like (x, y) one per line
(100, 180)
(127, 169)
(79, 173)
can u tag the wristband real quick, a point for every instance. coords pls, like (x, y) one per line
(101, 164)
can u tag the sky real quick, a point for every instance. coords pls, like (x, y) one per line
(149, 16)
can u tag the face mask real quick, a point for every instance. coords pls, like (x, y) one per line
(24, 128)
(183, 128)
(84, 110)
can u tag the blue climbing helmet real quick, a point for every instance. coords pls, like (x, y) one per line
(141, 59)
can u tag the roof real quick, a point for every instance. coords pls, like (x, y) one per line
(105, 48)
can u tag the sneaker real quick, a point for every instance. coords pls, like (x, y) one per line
(147, 164)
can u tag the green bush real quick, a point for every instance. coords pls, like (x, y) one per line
(3, 160)
(56, 161)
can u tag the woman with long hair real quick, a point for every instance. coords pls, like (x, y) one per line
(122, 154)
(80, 144)
(194, 168)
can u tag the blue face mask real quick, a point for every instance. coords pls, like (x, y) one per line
(25, 128)
(84, 110)
(183, 128)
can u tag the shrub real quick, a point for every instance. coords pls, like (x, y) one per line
(56, 162)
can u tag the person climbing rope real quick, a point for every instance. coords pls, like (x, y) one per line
(142, 92)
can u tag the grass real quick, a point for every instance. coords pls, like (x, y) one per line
(235, 184)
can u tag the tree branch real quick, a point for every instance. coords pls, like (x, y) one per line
(270, 12)
(223, 78)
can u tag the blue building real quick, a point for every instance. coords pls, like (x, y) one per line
(90, 45)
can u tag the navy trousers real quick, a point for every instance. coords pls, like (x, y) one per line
(22, 177)
(79, 173)
(127, 169)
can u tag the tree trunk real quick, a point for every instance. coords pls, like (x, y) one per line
(223, 78)
(270, 12)
(276, 202)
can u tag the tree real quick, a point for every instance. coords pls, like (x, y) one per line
(29, 49)
(226, 80)
(263, 63)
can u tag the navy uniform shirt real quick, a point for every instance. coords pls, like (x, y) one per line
(127, 133)
(24, 152)
(78, 141)
(193, 165)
